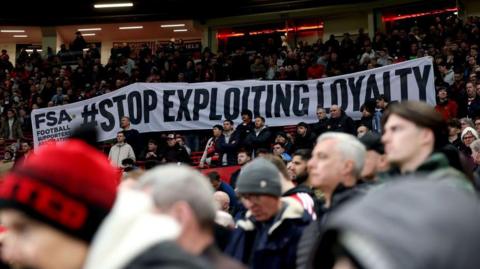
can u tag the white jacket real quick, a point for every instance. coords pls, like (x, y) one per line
(120, 152)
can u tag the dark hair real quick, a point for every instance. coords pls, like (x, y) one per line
(213, 176)
(422, 115)
(278, 143)
(247, 112)
(121, 132)
(455, 123)
(218, 126)
(305, 154)
(262, 151)
(229, 121)
(153, 141)
(383, 97)
(243, 150)
(128, 162)
(262, 118)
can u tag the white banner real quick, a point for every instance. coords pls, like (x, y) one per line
(154, 107)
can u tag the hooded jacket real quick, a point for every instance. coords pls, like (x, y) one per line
(407, 224)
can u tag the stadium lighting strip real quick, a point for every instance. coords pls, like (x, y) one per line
(89, 34)
(113, 5)
(20, 35)
(180, 30)
(415, 15)
(269, 31)
(172, 25)
(89, 29)
(31, 50)
(130, 27)
(12, 31)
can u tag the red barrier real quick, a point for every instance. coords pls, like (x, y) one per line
(224, 172)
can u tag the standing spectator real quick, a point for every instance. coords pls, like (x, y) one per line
(184, 194)
(212, 156)
(152, 152)
(257, 69)
(78, 45)
(446, 73)
(335, 167)
(260, 137)
(247, 126)
(425, 128)
(132, 136)
(471, 106)
(11, 128)
(448, 108)
(340, 122)
(59, 97)
(41, 236)
(120, 151)
(229, 143)
(266, 238)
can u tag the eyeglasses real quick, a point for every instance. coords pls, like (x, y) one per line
(468, 137)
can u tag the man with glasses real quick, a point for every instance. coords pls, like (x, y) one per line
(268, 235)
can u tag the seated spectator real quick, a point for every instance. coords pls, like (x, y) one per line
(283, 138)
(321, 126)
(173, 152)
(279, 150)
(219, 185)
(368, 112)
(181, 141)
(151, 153)
(466, 122)
(340, 122)
(243, 157)
(362, 130)
(304, 138)
(7, 163)
(454, 131)
(375, 159)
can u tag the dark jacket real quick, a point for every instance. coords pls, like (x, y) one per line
(167, 255)
(132, 137)
(343, 124)
(230, 148)
(413, 223)
(17, 132)
(320, 127)
(220, 260)
(264, 246)
(304, 142)
(244, 130)
(262, 140)
(312, 232)
(436, 166)
(175, 154)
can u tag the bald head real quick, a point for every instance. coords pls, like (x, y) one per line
(222, 200)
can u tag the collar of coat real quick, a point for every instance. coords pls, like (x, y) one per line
(291, 209)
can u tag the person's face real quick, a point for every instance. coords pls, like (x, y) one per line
(366, 113)
(263, 207)
(34, 244)
(152, 147)
(227, 126)
(381, 103)
(242, 158)
(217, 132)
(401, 140)
(10, 114)
(120, 138)
(171, 142)
(246, 118)
(215, 184)
(442, 94)
(361, 131)
(25, 147)
(124, 122)
(179, 141)
(457, 77)
(453, 131)
(470, 90)
(370, 164)
(298, 166)
(468, 138)
(335, 112)
(326, 165)
(476, 157)
(301, 130)
(280, 139)
(278, 150)
(258, 123)
(321, 114)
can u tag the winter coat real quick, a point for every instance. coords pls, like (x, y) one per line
(120, 152)
(275, 247)
(340, 196)
(229, 149)
(343, 124)
(411, 223)
(262, 139)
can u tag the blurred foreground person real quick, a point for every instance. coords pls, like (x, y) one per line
(53, 203)
(405, 224)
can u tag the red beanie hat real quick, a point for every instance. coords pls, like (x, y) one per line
(68, 185)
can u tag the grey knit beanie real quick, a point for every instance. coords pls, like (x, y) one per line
(259, 177)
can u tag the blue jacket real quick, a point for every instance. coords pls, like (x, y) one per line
(273, 246)
(231, 194)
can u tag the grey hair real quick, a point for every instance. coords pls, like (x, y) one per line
(171, 183)
(475, 146)
(350, 148)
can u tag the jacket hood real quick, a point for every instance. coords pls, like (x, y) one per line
(131, 228)
(409, 223)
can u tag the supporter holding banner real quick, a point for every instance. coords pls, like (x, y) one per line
(154, 107)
